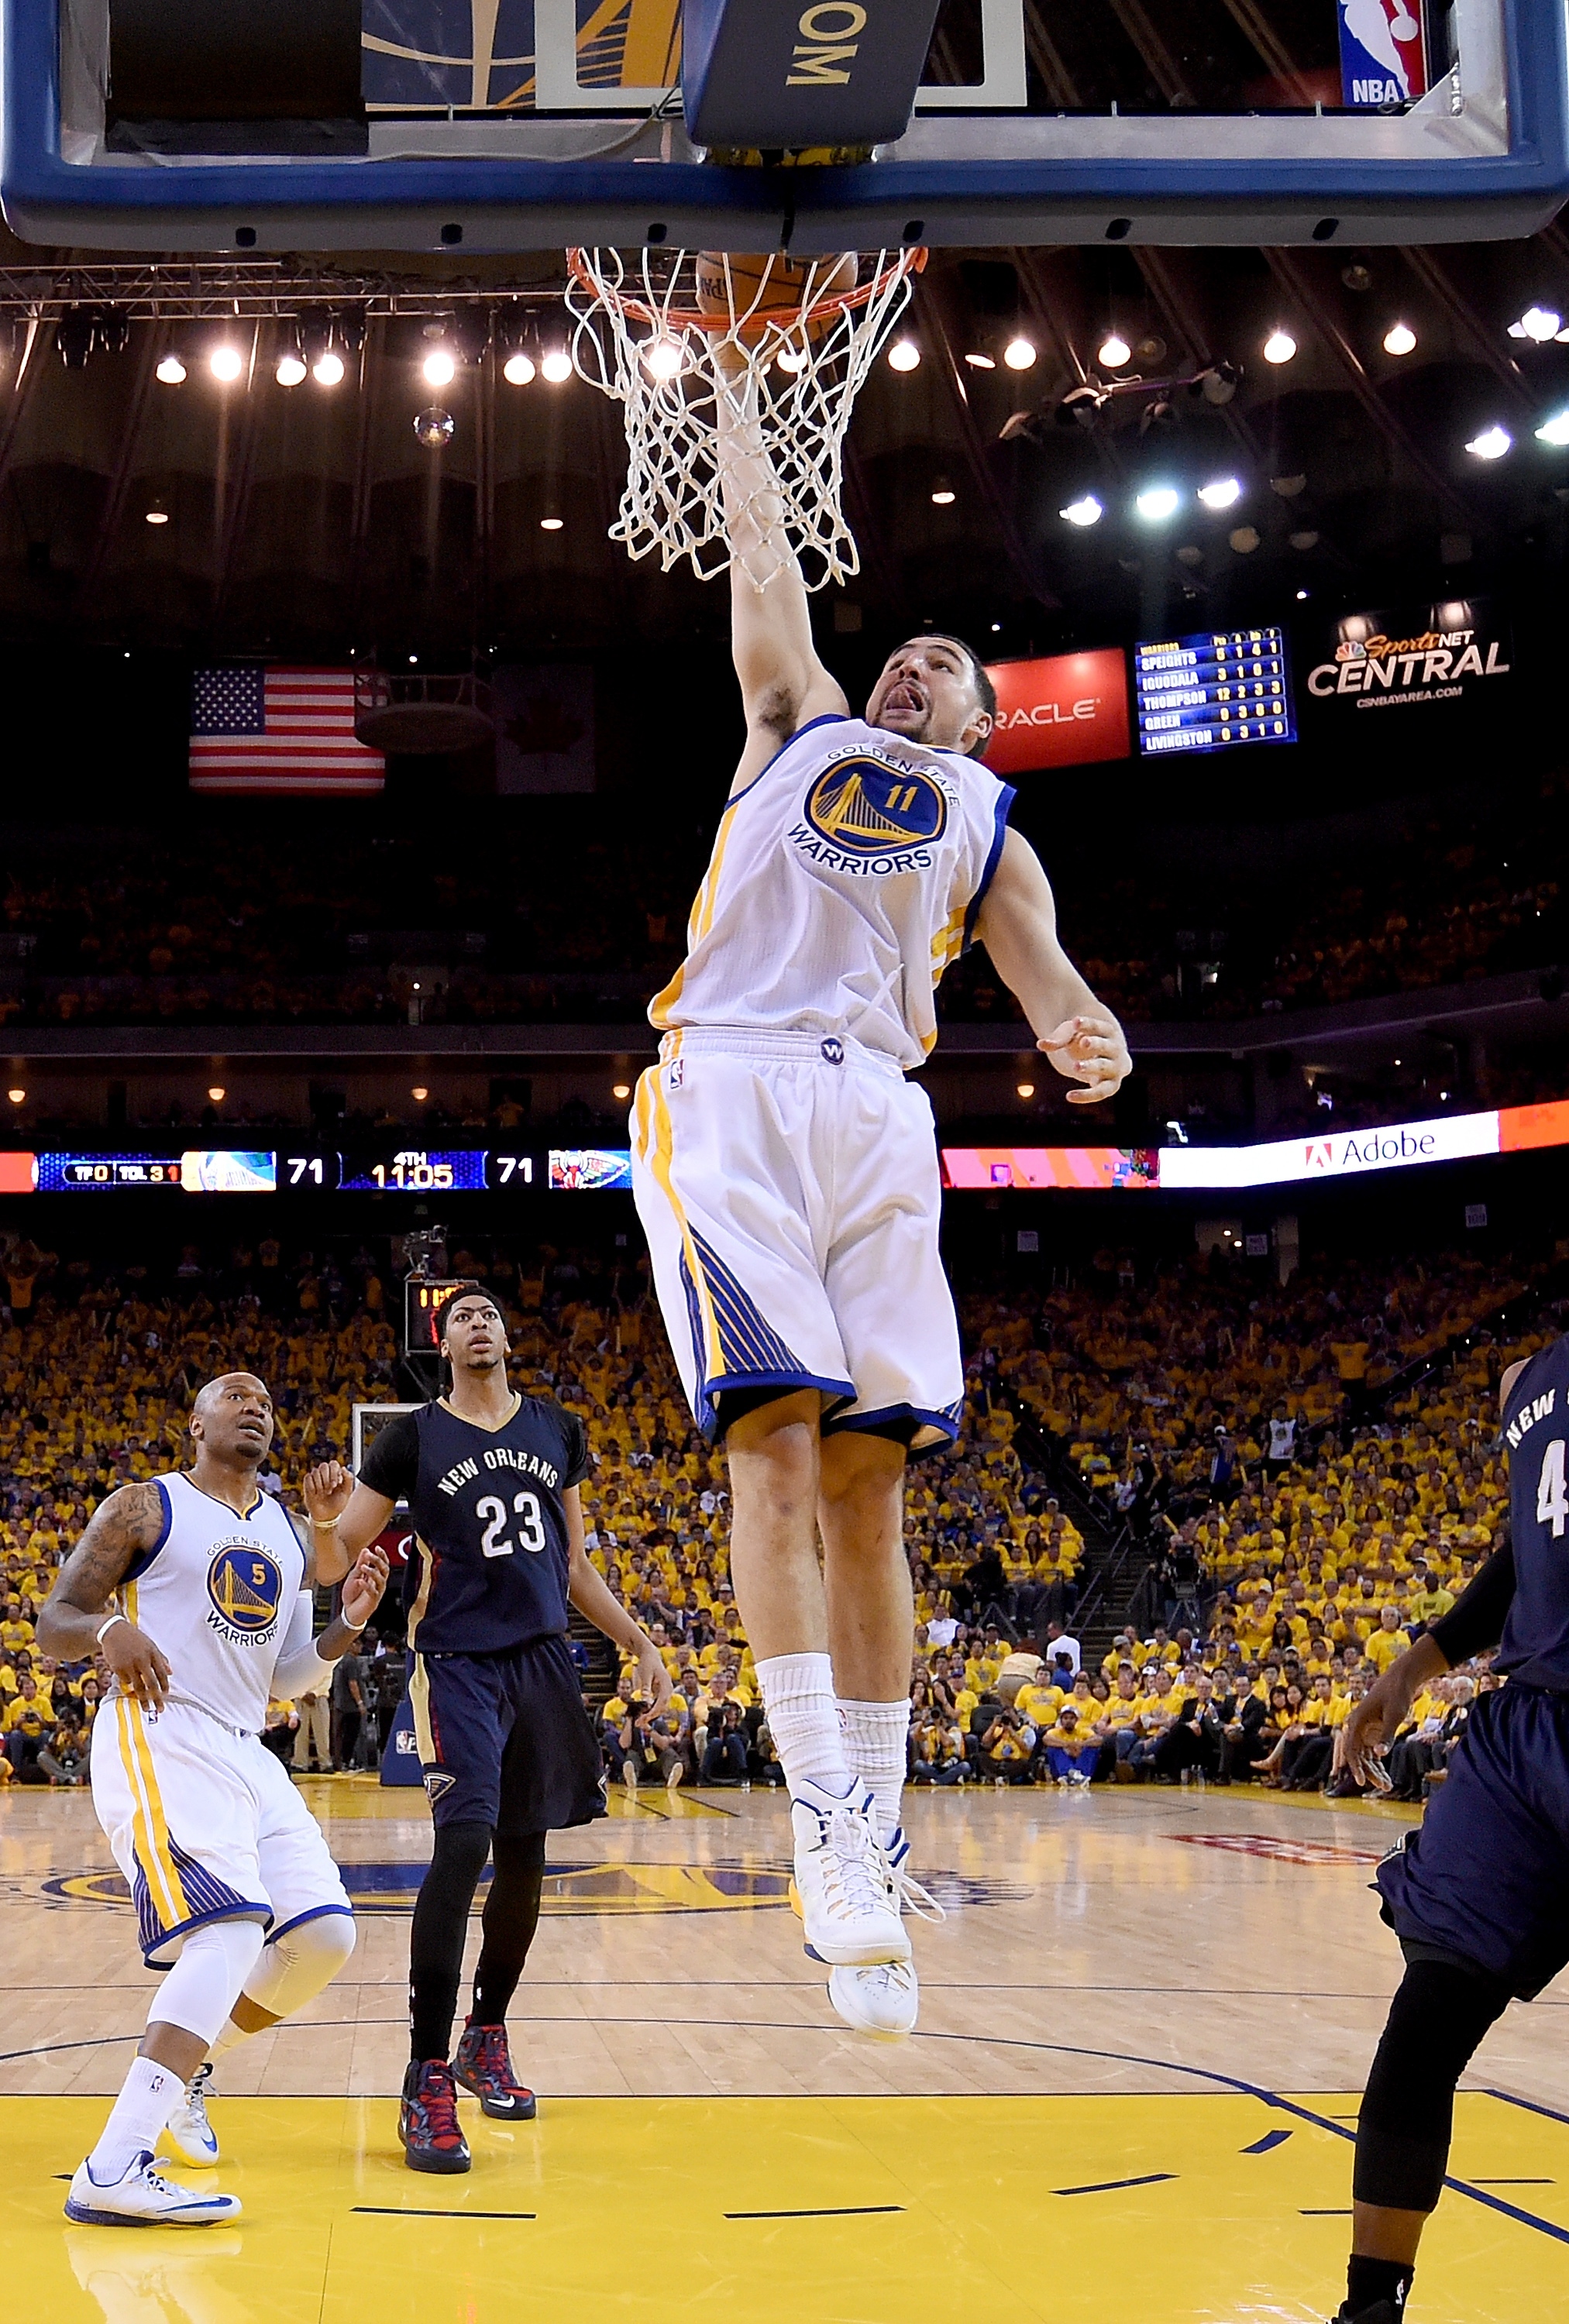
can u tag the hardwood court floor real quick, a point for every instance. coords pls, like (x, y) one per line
(1145, 2021)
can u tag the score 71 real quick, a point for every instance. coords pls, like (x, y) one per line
(509, 1166)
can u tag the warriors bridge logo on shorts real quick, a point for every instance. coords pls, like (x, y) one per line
(866, 813)
(246, 1585)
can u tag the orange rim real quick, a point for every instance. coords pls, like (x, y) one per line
(778, 318)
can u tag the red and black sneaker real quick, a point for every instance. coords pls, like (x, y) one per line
(427, 2121)
(483, 2065)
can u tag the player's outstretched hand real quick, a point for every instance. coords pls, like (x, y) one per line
(654, 1680)
(1090, 1050)
(1361, 1743)
(140, 1668)
(329, 1489)
(362, 1586)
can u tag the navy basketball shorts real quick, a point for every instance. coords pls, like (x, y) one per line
(505, 1739)
(1487, 1877)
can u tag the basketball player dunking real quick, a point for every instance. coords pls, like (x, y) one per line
(786, 1177)
(509, 1753)
(195, 1590)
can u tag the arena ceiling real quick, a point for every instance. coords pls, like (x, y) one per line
(250, 516)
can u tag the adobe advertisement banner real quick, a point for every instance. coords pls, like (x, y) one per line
(1063, 710)
(1452, 650)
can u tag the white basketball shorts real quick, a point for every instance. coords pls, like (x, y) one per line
(789, 1190)
(205, 1826)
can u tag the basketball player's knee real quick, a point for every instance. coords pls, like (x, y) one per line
(1435, 2022)
(296, 1966)
(207, 1978)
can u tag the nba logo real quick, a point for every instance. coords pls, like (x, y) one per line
(677, 1074)
(1383, 53)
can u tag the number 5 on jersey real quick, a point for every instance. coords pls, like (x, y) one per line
(1551, 1499)
(526, 1507)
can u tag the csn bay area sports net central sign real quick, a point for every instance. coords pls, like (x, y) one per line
(1450, 651)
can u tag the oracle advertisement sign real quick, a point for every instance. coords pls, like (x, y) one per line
(1448, 651)
(1064, 710)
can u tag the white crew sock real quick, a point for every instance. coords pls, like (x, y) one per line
(803, 1718)
(877, 1739)
(137, 2117)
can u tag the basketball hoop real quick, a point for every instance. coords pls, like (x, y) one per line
(787, 342)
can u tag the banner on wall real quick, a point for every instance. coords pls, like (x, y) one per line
(1448, 651)
(1062, 710)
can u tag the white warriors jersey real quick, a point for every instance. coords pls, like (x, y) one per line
(844, 879)
(217, 1594)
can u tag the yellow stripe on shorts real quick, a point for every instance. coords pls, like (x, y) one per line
(149, 1825)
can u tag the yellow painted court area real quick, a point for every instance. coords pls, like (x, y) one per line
(871, 2210)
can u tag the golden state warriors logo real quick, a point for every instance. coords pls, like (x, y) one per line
(246, 1585)
(872, 814)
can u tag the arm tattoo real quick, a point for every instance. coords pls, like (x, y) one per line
(130, 1519)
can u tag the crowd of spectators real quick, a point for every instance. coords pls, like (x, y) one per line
(121, 926)
(1303, 1506)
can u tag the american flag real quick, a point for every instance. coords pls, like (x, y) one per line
(275, 729)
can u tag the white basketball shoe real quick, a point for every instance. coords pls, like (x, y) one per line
(188, 2129)
(883, 1998)
(849, 1905)
(142, 2198)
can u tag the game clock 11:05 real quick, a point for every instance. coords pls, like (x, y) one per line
(410, 1170)
(1213, 691)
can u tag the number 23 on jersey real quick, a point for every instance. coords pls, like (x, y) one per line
(492, 1511)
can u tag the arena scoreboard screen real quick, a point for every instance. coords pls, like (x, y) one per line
(422, 1304)
(390, 1168)
(1212, 691)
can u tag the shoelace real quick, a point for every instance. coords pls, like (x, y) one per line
(492, 2057)
(155, 2179)
(855, 1876)
(919, 1900)
(196, 2096)
(437, 2100)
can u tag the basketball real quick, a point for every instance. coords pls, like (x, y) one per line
(763, 288)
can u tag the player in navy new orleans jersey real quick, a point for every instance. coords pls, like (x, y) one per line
(509, 1753)
(1480, 1896)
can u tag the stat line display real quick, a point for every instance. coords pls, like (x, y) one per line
(1213, 691)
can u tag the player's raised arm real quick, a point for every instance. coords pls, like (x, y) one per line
(1018, 926)
(74, 1622)
(783, 683)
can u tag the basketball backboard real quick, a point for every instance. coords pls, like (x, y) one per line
(499, 126)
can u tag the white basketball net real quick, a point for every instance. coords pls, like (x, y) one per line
(790, 376)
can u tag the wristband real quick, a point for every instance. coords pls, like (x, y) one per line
(324, 1524)
(98, 1635)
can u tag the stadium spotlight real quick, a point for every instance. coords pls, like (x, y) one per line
(156, 513)
(1026, 1089)
(439, 367)
(171, 370)
(1157, 502)
(17, 1096)
(903, 355)
(326, 371)
(218, 1094)
(1018, 355)
(1399, 339)
(980, 362)
(1539, 324)
(226, 362)
(1279, 348)
(1113, 351)
(1220, 493)
(942, 493)
(1491, 443)
(1219, 383)
(662, 358)
(1087, 511)
(518, 369)
(551, 523)
(290, 368)
(620, 1090)
(418, 1092)
(1555, 429)
(555, 366)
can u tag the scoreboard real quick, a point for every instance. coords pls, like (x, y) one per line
(1210, 692)
(388, 1168)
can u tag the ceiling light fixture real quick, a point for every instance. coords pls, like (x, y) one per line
(1539, 324)
(1026, 1089)
(290, 369)
(620, 1089)
(17, 1096)
(1018, 355)
(226, 362)
(518, 369)
(982, 362)
(903, 355)
(1158, 503)
(1555, 429)
(1399, 339)
(1087, 511)
(171, 370)
(1220, 493)
(1491, 443)
(218, 1094)
(418, 1092)
(439, 367)
(156, 513)
(556, 366)
(551, 523)
(326, 371)
(791, 360)
(662, 358)
(1279, 348)
(942, 493)
(1113, 352)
